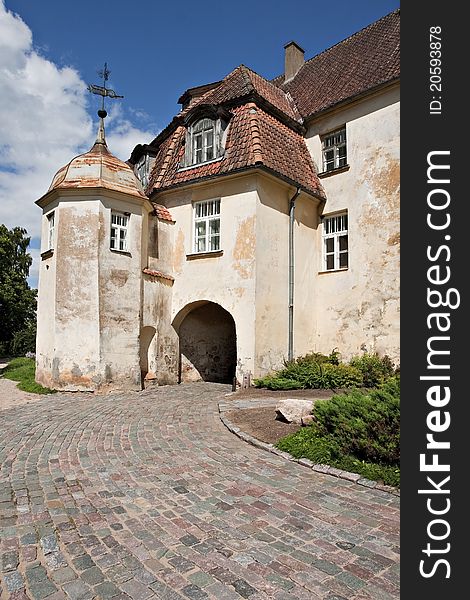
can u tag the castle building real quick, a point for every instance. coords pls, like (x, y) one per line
(261, 224)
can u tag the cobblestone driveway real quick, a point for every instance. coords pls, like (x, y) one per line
(149, 496)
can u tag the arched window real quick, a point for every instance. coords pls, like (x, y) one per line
(202, 141)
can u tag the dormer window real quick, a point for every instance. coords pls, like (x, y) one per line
(202, 138)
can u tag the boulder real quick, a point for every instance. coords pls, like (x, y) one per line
(293, 409)
(307, 420)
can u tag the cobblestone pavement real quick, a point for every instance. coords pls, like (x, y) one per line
(148, 495)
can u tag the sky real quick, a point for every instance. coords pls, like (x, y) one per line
(50, 50)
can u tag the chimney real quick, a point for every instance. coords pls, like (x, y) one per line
(294, 59)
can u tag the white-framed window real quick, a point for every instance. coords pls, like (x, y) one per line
(335, 242)
(119, 232)
(202, 140)
(207, 226)
(142, 170)
(50, 230)
(334, 150)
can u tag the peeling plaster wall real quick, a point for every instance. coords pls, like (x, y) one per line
(229, 279)
(359, 308)
(69, 358)
(157, 297)
(272, 273)
(120, 276)
(90, 298)
(45, 339)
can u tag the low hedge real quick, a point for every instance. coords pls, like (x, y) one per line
(323, 371)
(356, 431)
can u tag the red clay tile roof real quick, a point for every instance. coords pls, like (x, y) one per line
(266, 117)
(162, 212)
(242, 82)
(254, 139)
(153, 273)
(359, 63)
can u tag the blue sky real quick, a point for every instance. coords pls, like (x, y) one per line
(50, 50)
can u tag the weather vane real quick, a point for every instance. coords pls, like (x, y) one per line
(102, 90)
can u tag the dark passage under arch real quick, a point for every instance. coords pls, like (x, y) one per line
(208, 344)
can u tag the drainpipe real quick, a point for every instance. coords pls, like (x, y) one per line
(290, 353)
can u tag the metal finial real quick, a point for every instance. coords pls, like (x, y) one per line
(102, 90)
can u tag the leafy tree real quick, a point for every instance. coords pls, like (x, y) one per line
(17, 299)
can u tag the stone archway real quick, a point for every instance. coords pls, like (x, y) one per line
(208, 343)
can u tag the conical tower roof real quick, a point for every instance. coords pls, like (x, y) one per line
(98, 168)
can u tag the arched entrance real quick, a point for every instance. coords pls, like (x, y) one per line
(208, 343)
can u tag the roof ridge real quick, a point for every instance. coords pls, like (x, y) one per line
(246, 76)
(255, 133)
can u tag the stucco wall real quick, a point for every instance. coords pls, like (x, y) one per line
(45, 339)
(272, 273)
(90, 298)
(359, 308)
(70, 358)
(228, 279)
(120, 276)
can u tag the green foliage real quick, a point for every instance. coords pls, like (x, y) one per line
(312, 371)
(356, 432)
(375, 369)
(316, 370)
(17, 300)
(24, 341)
(365, 425)
(23, 370)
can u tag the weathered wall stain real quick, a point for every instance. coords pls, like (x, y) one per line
(244, 249)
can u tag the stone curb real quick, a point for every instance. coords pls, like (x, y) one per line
(326, 469)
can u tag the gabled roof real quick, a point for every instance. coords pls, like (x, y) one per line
(360, 63)
(255, 139)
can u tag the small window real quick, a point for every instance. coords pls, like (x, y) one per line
(207, 226)
(335, 242)
(119, 232)
(334, 150)
(202, 141)
(142, 170)
(50, 230)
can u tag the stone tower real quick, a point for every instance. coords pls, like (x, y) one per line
(90, 279)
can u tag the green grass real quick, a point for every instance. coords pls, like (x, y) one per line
(23, 371)
(305, 444)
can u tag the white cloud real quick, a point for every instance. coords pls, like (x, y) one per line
(44, 123)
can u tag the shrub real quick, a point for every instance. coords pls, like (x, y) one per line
(355, 431)
(24, 341)
(375, 369)
(305, 373)
(316, 357)
(366, 425)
